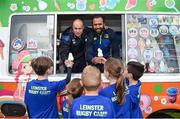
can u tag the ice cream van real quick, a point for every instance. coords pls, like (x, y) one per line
(148, 32)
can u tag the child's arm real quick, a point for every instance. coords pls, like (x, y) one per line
(68, 77)
(69, 65)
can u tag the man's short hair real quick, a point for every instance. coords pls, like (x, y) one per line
(99, 16)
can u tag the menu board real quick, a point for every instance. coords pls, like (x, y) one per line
(153, 40)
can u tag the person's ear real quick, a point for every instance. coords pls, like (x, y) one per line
(106, 73)
(81, 82)
(47, 71)
(130, 75)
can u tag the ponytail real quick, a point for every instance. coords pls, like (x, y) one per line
(115, 68)
(120, 90)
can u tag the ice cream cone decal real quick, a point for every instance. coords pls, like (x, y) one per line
(150, 4)
(1, 49)
(130, 4)
(102, 4)
(141, 45)
(57, 5)
(0, 24)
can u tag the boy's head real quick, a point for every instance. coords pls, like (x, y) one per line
(42, 65)
(91, 78)
(75, 88)
(136, 69)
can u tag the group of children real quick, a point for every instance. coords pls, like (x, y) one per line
(86, 98)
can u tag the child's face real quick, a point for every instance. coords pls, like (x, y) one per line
(125, 72)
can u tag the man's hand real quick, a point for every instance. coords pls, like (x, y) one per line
(69, 63)
(98, 60)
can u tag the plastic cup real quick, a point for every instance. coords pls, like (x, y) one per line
(172, 94)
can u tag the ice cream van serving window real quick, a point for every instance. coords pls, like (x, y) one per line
(154, 40)
(33, 35)
(30, 36)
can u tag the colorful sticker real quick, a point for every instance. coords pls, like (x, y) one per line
(132, 53)
(57, 5)
(151, 67)
(144, 32)
(132, 42)
(173, 30)
(18, 44)
(102, 4)
(130, 4)
(158, 54)
(154, 32)
(163, 67)
(26, 8)
(142, 20)
(132, 32)
(145, 104)
(81, 4)
(71, 5)
(148, 54)
(148, 43)
(1, 49)
(171, 4)
(156, 98)
(172, 94)
(13, 7)
(163, 30)
(158, 88)
(153, 22)
(42, 5)
(141, 44)
(92, 7)
(31, 44)
(163, 101)
(150, 4)
(111, 4)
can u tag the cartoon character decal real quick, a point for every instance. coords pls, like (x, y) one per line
(146, 104)
(24, 71)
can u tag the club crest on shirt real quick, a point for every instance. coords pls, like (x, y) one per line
(95, 38)
(106, 36)
(66, 38)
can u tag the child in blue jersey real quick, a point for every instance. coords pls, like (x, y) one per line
(91, 105)
(133, 73)
(40, 96)
(116, 91)
(74, 90)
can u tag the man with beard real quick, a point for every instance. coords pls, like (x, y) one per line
(102, 44)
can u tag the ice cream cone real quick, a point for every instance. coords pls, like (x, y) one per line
(1, 49)
(1, 53)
